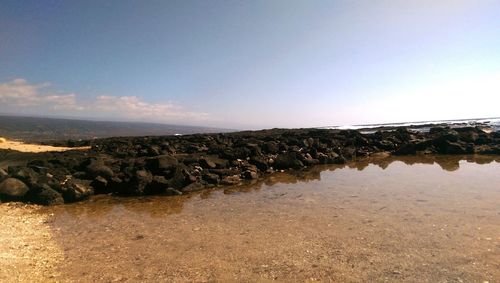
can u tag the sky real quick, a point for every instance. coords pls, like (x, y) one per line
(251, 64)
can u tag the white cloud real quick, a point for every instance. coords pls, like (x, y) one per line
(134, 107)
(20, 96)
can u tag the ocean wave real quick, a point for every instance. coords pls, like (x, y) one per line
(493, 123)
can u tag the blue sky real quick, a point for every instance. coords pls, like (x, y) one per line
(251, 64)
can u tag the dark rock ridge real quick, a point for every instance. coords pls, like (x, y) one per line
(174, 165)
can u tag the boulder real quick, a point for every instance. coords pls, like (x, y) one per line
(241, 153)
(406, 149)
(193, 187)
(117, 185)
(181, 177)
(249, 175)
(403, 135)
(39, 166)
(260, 161)
(468, 134)
(437, 130)
(161, 163)
(486, 149)
(100, 185)
(207, 163)
(455, 148)
(309, 142)
(331, 158)
(225, 172)
(254, 149)
(13, 189)
(96, 167)
(154, 150)
(211, 178)
(141, 180)
(270, 147)
(3, 175)
(448, 147)
(309, 160)
(451, 136)
(172, 192)
(158, 185)
(385, 144)
(47, 196)
(414, 147)
(287, 161)
(483, 139)
(349, 152)
(25, 174)
(75, 190)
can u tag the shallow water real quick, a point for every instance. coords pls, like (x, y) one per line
(413, 219)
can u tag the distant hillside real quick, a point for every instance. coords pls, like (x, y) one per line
(46, 129)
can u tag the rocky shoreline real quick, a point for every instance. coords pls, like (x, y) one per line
(174, 165)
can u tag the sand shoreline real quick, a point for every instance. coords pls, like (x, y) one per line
(28, 252)
(34, 148)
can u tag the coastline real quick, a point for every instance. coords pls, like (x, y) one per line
(176, 165)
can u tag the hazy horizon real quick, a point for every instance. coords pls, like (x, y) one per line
(250, 65)
(491, 120)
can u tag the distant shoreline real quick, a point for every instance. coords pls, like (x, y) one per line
(47, 129)
(43, 129)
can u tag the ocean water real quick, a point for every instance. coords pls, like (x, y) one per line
(492, 124)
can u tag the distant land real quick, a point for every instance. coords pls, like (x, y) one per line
(44, 129)
(39, 129)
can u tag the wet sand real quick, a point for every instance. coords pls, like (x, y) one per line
(433, 219)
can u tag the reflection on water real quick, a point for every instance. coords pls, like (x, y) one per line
(107, 204)
(413, 219)
(446, 162)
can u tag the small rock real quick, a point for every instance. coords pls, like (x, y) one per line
(172, 192)
(249, 175)
(231, 180)
(193, 187)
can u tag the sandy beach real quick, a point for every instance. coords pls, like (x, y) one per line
(34, 148)
(28, 252)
